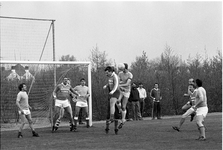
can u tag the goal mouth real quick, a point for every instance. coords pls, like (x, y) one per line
(41, 77)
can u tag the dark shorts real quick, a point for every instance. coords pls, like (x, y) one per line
(116, 94)
(117, 114)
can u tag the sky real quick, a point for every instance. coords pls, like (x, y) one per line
(124, 29)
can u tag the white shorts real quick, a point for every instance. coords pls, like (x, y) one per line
(81, 104)
(188, 113)
(25, 111)
(202, 111)
(125, 94)
(62, 103)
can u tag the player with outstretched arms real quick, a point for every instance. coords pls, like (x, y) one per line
(61, 95)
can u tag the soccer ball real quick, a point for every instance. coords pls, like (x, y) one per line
(121, 66)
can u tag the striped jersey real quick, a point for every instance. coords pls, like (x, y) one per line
(62, 91)
(113, 82)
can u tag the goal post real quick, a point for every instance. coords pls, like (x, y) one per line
(41, 78)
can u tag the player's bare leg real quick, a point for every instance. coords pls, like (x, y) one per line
(124, 104)
(201, 128)
(85, 110)
(55, 117)
(112, 109)
(29, 118)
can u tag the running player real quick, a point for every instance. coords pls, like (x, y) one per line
(81, 102)
(114, 93)
(201, 109)
(125, 87)
(189, 111)
(61, 95)
(22, 102)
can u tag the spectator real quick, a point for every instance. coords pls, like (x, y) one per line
(142, 96)
(134, 98)
(155, 94)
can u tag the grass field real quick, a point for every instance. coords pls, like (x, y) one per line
(141, 135)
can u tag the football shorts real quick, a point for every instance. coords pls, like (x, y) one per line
(62, 103)
(202, 111)
(25, 111)
(125, 94)
(81, 104)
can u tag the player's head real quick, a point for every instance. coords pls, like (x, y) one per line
(191, 81)
(83, 82)
(109, 70)
(66, 81)
(198, 82)
(22, 87)
(192, 87)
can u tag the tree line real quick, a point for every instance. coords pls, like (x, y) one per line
(172, 74)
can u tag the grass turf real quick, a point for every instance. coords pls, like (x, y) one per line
(147, 134)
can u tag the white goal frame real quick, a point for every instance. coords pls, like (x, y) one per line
(61, 63)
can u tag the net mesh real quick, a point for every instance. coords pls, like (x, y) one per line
(39, 79)
(26, 40)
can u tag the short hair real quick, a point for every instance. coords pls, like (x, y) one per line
(156, 83)
(140, 83)
(198, 82)
(21, 86)
(126, 65)
(109, 69)
(82, 79)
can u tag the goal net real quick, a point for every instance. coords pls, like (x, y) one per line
(41, 77)
(26, 39)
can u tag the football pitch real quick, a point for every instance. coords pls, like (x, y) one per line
(141, 135)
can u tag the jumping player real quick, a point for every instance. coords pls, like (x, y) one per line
(114, 93)
(24, 110)
(125, 87)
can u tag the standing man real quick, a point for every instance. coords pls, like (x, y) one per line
(61, 95)
(156, 97)
(142, 96)
(114, 94)
(125, 87)
(22, 102)
(201, 109)
(134, 98)
(82, 102)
